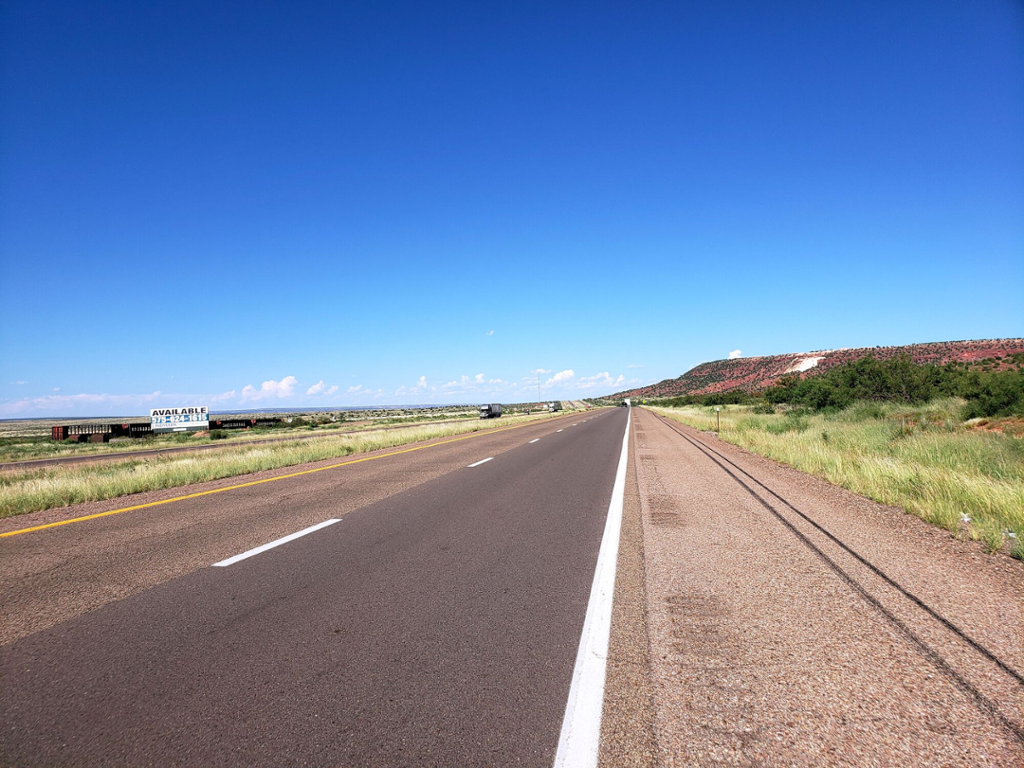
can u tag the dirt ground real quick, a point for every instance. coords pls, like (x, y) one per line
(791, 622)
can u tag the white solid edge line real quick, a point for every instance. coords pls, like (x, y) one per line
(535, 440)
(279, 542)
(581, 727)
(482, 461)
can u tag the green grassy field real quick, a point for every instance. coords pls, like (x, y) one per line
(30, 439)
(24, 491)
(921, 458)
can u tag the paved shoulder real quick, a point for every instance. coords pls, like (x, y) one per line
(795, 623)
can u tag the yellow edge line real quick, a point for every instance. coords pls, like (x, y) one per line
(481, 433)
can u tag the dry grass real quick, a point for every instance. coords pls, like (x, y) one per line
(60, 486)
(922, 459)
(26, 440)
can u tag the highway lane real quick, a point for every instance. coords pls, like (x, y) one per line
(52, 575)
(435, 624)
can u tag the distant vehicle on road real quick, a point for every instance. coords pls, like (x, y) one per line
(555, 406)
(491, 411)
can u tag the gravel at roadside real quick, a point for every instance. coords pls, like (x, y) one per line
(773, 644)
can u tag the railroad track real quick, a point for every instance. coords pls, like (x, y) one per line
(990, 681)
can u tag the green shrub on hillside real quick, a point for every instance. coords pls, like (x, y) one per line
(998, 391)
(732, 397)
(900, 380)
(994, 394)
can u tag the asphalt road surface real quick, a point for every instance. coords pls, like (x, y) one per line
(435, 623)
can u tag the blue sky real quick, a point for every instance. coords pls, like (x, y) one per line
(254, 205)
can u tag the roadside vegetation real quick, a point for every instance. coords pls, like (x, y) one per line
(943, 442)
(24, 440)
(24, 491)
(991, 387)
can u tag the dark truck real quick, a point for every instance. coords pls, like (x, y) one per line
(491, 411)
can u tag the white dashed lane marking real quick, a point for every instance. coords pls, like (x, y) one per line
(277, 543)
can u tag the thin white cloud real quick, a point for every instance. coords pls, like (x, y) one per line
(462, 382)
(490, 333)
(420, 387)
(103, 404)
(85, 401)
(603, 380)
(735, 354)
(562, 377)
(322, 389)
(354, 389)
(540, 370)
(270, 389)
(480, 386)
(474, 386)
(634, 365)
(17, 383)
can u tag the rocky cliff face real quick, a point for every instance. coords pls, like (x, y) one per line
(754, 374)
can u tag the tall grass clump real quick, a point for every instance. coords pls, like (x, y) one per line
(920, 458)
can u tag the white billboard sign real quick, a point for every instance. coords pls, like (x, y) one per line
(179, 419)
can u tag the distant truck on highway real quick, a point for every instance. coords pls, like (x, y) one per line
(491, 411)
(555, 406)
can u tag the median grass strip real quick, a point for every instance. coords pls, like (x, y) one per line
(923, 459)
(60, 486)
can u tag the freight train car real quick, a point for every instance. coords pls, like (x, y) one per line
(83, 433)
(101, 433)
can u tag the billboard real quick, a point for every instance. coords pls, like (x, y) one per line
(179, 419)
